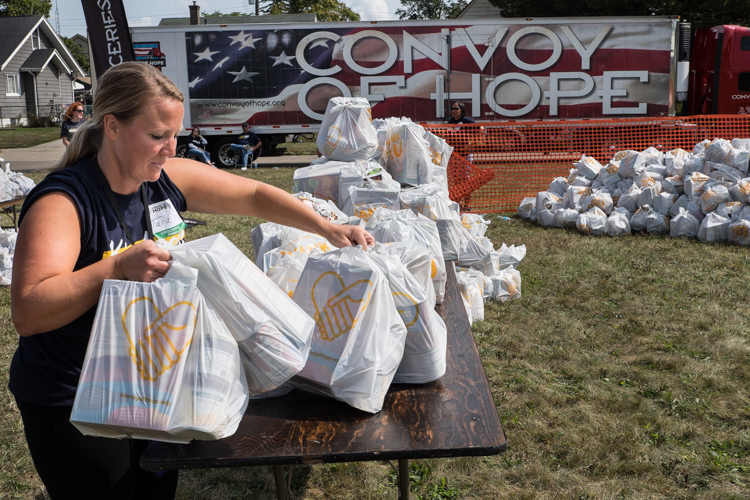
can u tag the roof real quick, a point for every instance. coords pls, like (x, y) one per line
(283, 18)
(13, 31)
(40, 58)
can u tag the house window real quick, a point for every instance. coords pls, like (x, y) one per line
(36, 42)
(12, 85)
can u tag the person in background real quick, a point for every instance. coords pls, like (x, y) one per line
(246, 145)
(196, 145)
(85, 223)
(458, 114)
(72, 120)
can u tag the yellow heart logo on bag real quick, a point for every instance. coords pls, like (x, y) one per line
(158, 346)
(331, 140)
(397, 146)
(337, 306)
(740, 230)
(407, 308)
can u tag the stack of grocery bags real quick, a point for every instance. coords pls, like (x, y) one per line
(392, 167)
(12, 185)
(177, 359)
(704, 194)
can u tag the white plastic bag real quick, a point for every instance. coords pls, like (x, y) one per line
(160, 365)
(366, 200)
(657, 223)
(347, 133)
(739, 232)
(359, 337)
(714, 228)
(427, 336)
(405, 225)
(407, 154)
(506, 285)
(471, 288)
(684, 225)
(272, 332)
(617, 223)
(323, 180)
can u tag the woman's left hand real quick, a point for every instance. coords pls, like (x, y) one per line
(344, 236)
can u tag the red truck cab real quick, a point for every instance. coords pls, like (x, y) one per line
(720, 71)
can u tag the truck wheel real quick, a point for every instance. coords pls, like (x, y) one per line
(267, 146)
(222, 155)
(180, 151)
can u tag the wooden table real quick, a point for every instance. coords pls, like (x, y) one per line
(452, 417)
(12, 203)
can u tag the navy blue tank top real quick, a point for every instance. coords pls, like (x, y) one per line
(46, 366)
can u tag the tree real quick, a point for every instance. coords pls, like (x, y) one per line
(218, 13)
(431, 9)
(13, 8)
(699, 13)
(327, 10)
(80, 56)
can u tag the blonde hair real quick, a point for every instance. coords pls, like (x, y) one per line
(121, 91)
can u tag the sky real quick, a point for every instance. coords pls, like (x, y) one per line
(149, 12)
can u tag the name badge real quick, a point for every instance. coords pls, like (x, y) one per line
(166, 222)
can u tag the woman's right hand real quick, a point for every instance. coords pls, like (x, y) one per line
(144, 262)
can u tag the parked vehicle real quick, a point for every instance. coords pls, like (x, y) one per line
(279, 78)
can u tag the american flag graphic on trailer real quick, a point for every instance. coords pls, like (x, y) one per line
(583, 69)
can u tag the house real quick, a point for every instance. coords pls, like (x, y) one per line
(36, 69)
(479, 9)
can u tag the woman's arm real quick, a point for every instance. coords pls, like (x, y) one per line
(213, 191)
(66, 141)
(45, 292)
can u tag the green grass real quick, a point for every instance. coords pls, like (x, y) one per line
(621, 373)
(22, 137)
(304, 146)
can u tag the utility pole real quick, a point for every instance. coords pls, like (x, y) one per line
(57, 19)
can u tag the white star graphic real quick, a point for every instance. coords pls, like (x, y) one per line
(242, 75)
(282, 59)
(249, 42)
(220, 63)
(195, 82)
(239, 38)
(206, 54)
(320, 42)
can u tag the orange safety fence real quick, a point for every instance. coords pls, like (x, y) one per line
(495, 165)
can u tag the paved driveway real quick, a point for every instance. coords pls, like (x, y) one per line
(44, 157)
(39, 158)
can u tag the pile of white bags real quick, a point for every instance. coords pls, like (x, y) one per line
(176, 360)
(702, 194)
(12, 185)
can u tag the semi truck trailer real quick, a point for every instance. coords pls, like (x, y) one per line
(279, 77)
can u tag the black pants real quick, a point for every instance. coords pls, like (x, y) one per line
(75, 466)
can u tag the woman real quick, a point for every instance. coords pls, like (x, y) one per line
(458, 114)
(72, 120)
(73, 223)
(196, 145)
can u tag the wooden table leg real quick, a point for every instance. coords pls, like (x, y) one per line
(403, 479)
(278, 474)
